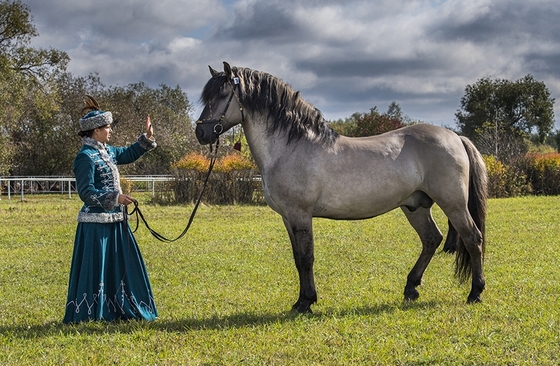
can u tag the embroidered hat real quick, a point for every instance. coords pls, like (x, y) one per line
(93, 117)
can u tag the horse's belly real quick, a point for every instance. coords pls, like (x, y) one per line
(346, 193)
(355, 207)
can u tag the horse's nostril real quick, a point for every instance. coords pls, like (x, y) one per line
(201, 136)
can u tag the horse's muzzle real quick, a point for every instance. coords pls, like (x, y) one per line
(205, 133)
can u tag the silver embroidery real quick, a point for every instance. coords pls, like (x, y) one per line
(101, 218)
(106, 165)
(111, 302)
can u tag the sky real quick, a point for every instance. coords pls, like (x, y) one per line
(345, 56)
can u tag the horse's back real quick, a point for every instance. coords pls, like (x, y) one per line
(366, 177)
(417, 146)
(421, 133)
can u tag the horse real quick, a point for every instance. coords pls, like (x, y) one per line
(309, 170)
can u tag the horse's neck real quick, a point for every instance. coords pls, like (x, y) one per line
(266, 149)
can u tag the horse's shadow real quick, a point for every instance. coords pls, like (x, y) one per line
(233, 321)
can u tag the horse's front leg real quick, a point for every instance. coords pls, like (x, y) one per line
(301, 238)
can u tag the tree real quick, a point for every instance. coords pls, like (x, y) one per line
(16, 31)
(46, 137)
(518, 108)
(40, 106)
(372, 123)
(26, 80)
(169, 110)
(504, 144)
(394, 111)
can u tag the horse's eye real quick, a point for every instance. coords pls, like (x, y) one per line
(224, 90)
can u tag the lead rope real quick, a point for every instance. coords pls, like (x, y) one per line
(158, 236)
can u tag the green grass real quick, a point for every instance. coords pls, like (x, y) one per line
(224, 291)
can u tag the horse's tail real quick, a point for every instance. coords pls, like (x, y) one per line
(477, 204)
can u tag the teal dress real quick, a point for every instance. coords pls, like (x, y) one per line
(108, 277)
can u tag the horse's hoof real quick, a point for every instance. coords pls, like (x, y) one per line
(302, 307)
(411, 295)
(474, 300)
(449, 249)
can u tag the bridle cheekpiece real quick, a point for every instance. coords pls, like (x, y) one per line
(219, 127)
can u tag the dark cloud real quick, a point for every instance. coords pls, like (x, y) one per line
(262, 22)
(366, 68)
(131, 21)
(545, 65)
(341, 97)
(344, 56)
(502, 21)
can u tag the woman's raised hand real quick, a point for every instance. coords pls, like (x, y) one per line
(149, 127)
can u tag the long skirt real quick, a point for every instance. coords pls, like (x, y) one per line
(108, 277)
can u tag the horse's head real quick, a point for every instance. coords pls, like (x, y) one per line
(222, 108)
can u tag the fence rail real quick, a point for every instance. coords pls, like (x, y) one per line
(64, 185)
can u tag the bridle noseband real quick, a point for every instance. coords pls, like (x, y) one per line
(219, 127)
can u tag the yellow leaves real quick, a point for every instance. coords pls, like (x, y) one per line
(542, 162)
(493, 165)
(193, 161)
(535, 173)
(234, 161)
(225, 164)
(505, 180)
(127, 186)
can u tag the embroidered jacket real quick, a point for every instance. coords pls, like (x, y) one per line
(98, 179)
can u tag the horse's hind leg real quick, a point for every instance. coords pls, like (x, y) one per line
(470, 254)
(450, 245)
(422, 221)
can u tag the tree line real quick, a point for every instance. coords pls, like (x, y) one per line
(40, 104)
(505, 119)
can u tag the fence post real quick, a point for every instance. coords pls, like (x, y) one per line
(22, 189)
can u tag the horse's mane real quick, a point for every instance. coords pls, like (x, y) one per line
(286, 110)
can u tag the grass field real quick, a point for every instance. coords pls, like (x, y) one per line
(225, 290)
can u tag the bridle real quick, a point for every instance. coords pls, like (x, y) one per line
(218, 128)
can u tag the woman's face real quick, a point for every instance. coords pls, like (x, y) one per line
(102, 134)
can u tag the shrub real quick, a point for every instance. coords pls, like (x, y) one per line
(543, 172)
(127, 186)
(374, 124)
(505, 180)
(232, 180)
(193, 161)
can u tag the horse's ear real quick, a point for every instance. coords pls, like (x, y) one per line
(227, 70)
(212, 71)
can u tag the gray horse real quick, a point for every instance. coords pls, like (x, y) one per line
(308, 170)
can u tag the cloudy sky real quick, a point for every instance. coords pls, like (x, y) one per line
(344, 56)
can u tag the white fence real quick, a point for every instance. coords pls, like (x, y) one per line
(20, 186)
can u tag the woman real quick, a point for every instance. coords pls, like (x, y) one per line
(108, 278)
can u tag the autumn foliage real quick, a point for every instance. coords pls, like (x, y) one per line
(534, 173)
(232, 180)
